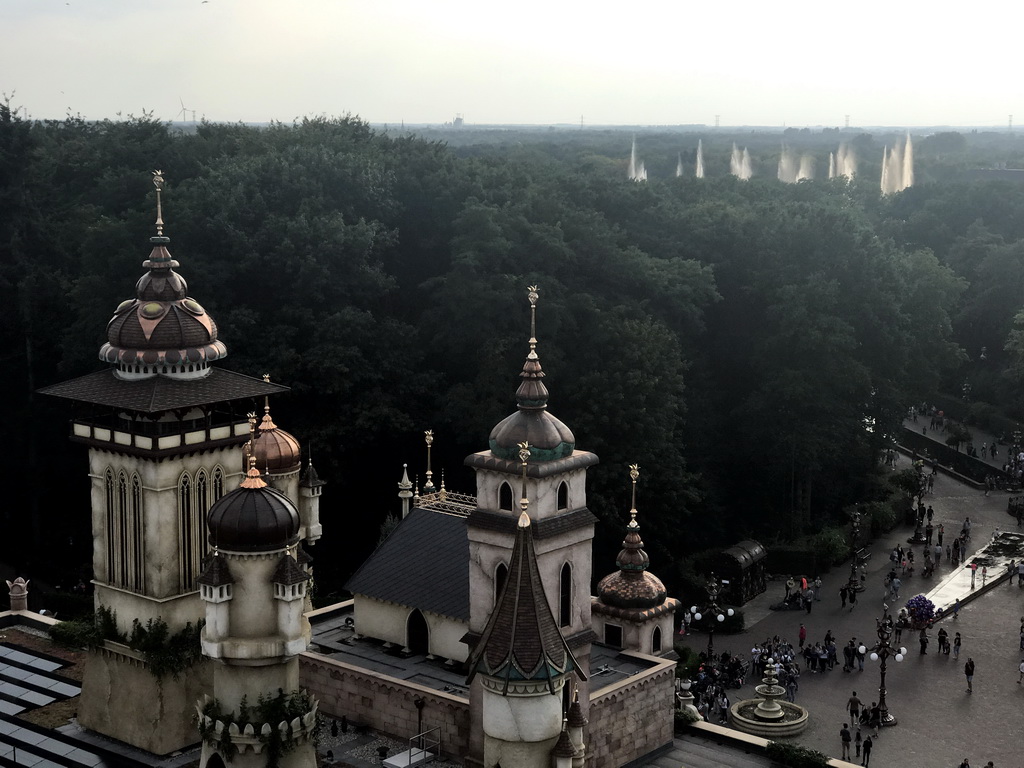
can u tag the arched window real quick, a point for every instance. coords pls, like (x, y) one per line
(563, 496)
(202, 507)
(656, 640)
(218, 483)
(417, 634)
(505, 497)
(500, 577)
(565, 596)
(108, 484)
(188, 543)
(138, 537)
(124, 532)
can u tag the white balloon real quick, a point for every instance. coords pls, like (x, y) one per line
(721, 617)
(899, 657)
(874, 657)
(696, 617)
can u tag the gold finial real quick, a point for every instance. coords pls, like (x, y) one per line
(158, 182)
(442, 494)
(252, 477)
(524, 457)
(428, 437)
(634, 473)
(532, 295)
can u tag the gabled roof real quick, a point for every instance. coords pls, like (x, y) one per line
(161, 393)
(521, 640)
(423, 564)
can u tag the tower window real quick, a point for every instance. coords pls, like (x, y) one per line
(187, 536)
(563, 496)
(565, 596)
(613, 635)
(218, 483)
(108, 484)
(505, 497)
(138, 570)
(500, 577)
(656, 640)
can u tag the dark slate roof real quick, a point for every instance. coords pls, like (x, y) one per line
(160, 393)
(288, 572)
(521, 640)
(216, 573)
(424, 563)
(310, 478)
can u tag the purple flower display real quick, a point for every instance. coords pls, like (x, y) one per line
(921, 610)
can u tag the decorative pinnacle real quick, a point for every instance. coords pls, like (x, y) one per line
(532, 295)
(524, 457)
(158, 182)
(428, 437)
(634, 473)
(266, 398)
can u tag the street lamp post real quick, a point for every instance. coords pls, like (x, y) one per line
(713, 587)
(854, 582)
(882, 650)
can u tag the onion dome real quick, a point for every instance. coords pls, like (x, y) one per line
(277, 452)
(253, 518)
(632, 586)
(162, 330)
(521, 642)
(548, 437)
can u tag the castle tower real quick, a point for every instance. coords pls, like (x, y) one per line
(562, 527)
(522, 663)
(631, 610)
(254, 590)
(164, 429)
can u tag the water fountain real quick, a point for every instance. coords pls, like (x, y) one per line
(769, 716)
(636, 172)
(679, 165)
(700, 160)
(897, 167)
(739, 163)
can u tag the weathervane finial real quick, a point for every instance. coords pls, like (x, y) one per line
(634, 473)
(532, 295)
(158, 182)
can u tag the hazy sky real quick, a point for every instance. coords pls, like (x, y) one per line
(802, 62)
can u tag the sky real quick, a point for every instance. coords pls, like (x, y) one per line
(795, 63)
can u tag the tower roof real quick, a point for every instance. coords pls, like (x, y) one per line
(253, 518)
(548, 437)
(632, 586)
(162, 331)
(521, 641)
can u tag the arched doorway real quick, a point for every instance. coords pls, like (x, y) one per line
(417, 633)
(215, 761)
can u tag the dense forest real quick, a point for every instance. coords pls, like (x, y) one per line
(752, 345)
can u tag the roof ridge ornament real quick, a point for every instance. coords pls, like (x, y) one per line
(428, 438)
(158, 182)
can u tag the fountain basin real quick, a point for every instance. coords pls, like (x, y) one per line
(743, 717)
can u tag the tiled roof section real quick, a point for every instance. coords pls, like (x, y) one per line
(563, 747)
(521, 640)
(542, 529)
(424, 563)
(288, 572)
(216, 573)
(310, 478)
(487, 460)
(160, 393)
(302, 556)
(668, 605)
(576, 717)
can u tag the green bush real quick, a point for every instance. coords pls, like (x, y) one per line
(832, 545)
(684, 719)
(688, 662)
(76, 634)
(794, 559)
(795, 756)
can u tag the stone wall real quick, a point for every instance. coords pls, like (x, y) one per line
(631, 718)
(384, 703)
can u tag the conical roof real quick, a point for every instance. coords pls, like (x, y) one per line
(521, 641)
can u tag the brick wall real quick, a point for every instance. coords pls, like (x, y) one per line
(384, 703)
(631, 718)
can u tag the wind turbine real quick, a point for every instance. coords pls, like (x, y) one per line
(185, 110)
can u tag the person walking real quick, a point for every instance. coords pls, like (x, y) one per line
(853, 599)
(857, 740)
(843, 592)
(956, 608)
(853, 706)
(974, 573)
(956, 646)
(817, 588)
(940, 533)
(802, 634)
(923, 638)
(969, 674)
(868, 744)
(845, 737)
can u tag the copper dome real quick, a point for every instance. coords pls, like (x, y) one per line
(631, 589)
(162, 326)
(277, 452)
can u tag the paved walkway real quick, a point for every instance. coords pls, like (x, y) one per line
(939, 724)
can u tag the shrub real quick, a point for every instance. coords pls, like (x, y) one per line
(685, 718)
(832, 545)
(795, 755)
(76, 634)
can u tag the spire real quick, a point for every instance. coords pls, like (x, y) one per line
(252, 477)
(405, 490)
(532, 394)
(522, 642)
(632, 558)
(268, 423)
(428, 438)
(158, 182)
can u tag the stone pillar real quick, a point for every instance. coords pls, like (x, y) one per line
(19, 594)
